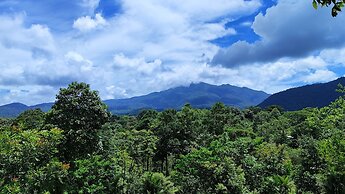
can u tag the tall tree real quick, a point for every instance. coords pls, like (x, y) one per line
(79, 111)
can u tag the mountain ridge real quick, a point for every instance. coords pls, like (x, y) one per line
(313, 95)
(199, 95)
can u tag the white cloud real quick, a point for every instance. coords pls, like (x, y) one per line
(290, 29)
(320, 76)
(151, 46)
(282, 74)
(137, 64)
(86, 23)
(75, 59)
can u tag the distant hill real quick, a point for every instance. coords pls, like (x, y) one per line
(200, 95)
(14, 109)
(315, 95)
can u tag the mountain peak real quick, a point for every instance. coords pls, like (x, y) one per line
(199, 95)
(15, 104)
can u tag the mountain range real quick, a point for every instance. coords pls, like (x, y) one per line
(203, 95)
(315, 95)
(199, 95)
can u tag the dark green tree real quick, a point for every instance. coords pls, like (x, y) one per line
(165, 129)
(97, 174)
(201, 171)
(220, 116)
(145, 119)
(79, 111)
(30, 119)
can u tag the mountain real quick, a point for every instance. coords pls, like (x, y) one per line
(315, 95)
(199, 95)
(45, 107)
(14, 109)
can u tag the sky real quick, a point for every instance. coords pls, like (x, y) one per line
(126, 48)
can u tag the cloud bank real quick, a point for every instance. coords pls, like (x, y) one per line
(146, 46)
(290, 29)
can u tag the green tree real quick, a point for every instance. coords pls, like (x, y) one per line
(30, 119)
(24, 151)
(220, 116)
(332, 150)
(140, 145)
(165, 128)
(202, 171)
(50, 178)
(307, 166)
(157, 183)
(98, 175)
(79, 111)
(145, 119)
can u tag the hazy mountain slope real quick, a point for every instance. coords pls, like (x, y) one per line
(200, 95)
(12, 110)
(316, 95)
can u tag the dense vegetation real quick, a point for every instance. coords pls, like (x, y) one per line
(78, 147)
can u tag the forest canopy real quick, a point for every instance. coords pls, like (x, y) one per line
(78, 147)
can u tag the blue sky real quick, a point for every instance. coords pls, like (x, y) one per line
(125, 48)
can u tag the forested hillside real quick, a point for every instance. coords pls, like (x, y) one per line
(79, 147)
(315, 96)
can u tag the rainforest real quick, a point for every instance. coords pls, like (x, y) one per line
(79, 147)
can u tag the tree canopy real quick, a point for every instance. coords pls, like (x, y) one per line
(75, 148)
(80, 112)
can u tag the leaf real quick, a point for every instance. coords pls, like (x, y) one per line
(314, 4)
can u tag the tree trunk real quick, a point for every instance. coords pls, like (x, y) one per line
(166, 166)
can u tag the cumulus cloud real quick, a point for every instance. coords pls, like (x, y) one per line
(87, 23)
(320, 76)
(292, 28)
(159, 41)
(58, 15)
(149, 46)
(31, 62)
(274, 76)
(137, 64)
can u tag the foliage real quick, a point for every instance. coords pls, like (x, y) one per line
(24, 151)
(337, 5)
(51, 178)
(30, 119)
(220, 150)
(205, 172)
(140, 145)
(97, 175)
(157, 183)
(80, 112)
